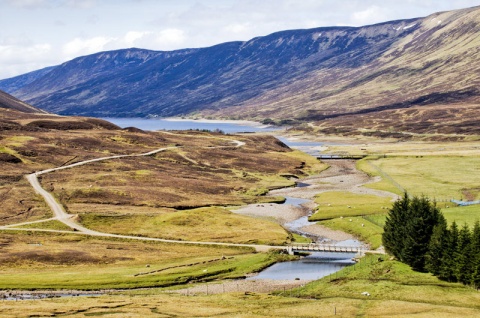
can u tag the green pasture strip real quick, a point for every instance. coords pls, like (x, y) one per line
(365, 230)
(462, 214)
(441, 178)
(346, 204)
(385, 184)
(114, 276)
(385, 279)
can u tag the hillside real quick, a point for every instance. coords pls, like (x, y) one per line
(418, 75)
(7, 101)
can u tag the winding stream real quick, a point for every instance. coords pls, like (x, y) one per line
(293, 213)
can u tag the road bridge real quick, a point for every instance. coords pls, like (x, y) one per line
(291, 249)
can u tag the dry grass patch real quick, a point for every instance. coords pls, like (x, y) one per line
(205, 224)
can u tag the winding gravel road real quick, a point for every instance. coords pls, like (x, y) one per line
(68, 219)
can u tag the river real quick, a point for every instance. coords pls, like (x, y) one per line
(316, 265)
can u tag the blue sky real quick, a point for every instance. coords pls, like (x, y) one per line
(39, 33)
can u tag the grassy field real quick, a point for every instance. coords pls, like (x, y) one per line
(462, 214)
(395, 290)
(362, 228)
(385, 184)
(47, 225)
(337, 204)
(438, 177)
(440, 170)
(212, 224)
(159, 196)
(70, 261)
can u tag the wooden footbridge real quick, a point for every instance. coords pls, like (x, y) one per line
(291, 249)
(338, 157)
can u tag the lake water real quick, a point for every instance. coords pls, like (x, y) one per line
(313, 148)
(229, 127)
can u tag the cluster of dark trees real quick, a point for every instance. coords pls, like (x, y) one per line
(417, 234)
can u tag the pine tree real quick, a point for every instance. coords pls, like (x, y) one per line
(395, 227)
(436, 247)
(408, 229)
(475, 281)
(448, 262)
(463, 256)
(423, 217)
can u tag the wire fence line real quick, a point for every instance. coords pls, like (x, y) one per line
(384, 175)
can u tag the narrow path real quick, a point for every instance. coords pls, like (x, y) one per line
(67, 219)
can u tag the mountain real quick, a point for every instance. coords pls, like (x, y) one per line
(419, 75)
(12, 84)
(7, 101)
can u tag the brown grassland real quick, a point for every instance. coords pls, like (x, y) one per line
(187, 187)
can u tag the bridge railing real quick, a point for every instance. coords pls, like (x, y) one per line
(325, 248)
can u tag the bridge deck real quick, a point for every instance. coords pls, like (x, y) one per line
(325, 248)
(354, 157)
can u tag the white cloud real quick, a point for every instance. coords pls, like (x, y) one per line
(17, 59)
(29, 4)
(80, 46)
(169, 38)
(78, 27)
(13, 54)
(81, 4)
(237, 28)
(45, 4)
(368, 16)
(132, 37)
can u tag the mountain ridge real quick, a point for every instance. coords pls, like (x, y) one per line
(9, 102)
(304, 75)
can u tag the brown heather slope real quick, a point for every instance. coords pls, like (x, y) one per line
(426, 82)
(205, 169)
(7, 101)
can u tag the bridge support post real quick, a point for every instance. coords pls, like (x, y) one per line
(290, 250)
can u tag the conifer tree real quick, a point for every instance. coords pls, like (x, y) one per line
(408, 229)
(423, 217)
(475, 281)
(436, 248)
(394, 229)
(448, 261)
(463, 256)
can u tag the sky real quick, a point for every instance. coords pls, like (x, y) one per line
(39, 33)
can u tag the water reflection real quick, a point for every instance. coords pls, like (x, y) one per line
(229, 127)
(312, 267)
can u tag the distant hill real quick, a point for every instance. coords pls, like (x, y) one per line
(419, 75)
(7, 101)
(15, 83)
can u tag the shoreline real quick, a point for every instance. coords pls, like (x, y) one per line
(218, 121)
